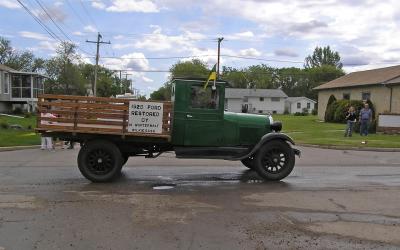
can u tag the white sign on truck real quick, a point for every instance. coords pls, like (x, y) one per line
(145, 117)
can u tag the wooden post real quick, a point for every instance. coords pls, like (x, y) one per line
(76, 116)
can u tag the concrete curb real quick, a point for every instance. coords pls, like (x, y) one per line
(350, 148)
(3, 149)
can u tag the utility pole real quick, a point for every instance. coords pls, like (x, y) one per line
(126, 78)
(219, 54)
(98, 42)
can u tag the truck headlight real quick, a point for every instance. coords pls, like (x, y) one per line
(276, 126)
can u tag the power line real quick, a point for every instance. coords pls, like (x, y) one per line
(88, 14)
(262, 59)
(52, 20)
(75, 12)
(47, 29)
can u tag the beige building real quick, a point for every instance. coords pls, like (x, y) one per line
(381, 86)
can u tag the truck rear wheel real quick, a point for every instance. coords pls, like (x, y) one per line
(100, 161)
(275, 160)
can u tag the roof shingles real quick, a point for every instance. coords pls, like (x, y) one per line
(360, 78)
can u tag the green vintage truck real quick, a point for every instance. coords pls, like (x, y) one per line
(193, 124)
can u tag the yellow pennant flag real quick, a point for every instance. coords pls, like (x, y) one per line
(212, 76)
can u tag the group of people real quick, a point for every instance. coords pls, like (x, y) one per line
(47, 142)
(364, 117)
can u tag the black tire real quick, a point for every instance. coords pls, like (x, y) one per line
(100, 161)
(274, 160)
(248, 162)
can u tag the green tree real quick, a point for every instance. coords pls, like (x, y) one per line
(19, 60)
(64, 74)
(256, 76)
(323, 56)
(236, 77)
(193, 68)
(163, 93)
(320, 75)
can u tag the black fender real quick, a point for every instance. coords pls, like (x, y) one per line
(269, 137)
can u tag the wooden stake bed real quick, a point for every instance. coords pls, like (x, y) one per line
(93, 115)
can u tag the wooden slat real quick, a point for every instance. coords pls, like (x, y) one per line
(98, 115)
(108, 132)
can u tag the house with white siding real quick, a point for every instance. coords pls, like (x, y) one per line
(255, 101)
(19, 89)
(298, 104)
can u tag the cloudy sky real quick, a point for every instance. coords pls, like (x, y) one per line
(148, 36)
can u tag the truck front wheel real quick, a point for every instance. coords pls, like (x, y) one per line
(100, 161)
(274, 160)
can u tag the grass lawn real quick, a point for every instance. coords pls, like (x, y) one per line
(13, 137)
(309, 130)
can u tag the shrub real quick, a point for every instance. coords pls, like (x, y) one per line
(300, 114)
(286, 111)
(4, 125)
(17, 111)
(28, 115)
(328, 112)
(305, 111)
(314, 112)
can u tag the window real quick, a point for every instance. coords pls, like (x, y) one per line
(204, 98)
(260, 111)
(6, 83)
(37, 86)
(346, 96)
(275, 99)
(274, 112)
(21, 86)
(299, 105)
(245, 99)
(261, 99)
(308, 105)
(366, 96)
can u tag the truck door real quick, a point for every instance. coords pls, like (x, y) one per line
(204, 116)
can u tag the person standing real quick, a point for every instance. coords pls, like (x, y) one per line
(47, 142)
(350, 119)
(365, 119)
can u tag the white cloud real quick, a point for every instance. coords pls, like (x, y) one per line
(10, 4)
(146, 6)
(132, 61)
(157, 41)
(34, 35)
(77, 33)
(246, 35)
(90, 28)
(250, 52)
(98, 4)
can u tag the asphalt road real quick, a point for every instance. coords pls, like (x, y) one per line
(333, 199)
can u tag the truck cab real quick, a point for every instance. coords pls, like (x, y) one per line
(202, 127)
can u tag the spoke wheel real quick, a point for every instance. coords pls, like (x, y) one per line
(100, 161)
(275, 160)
